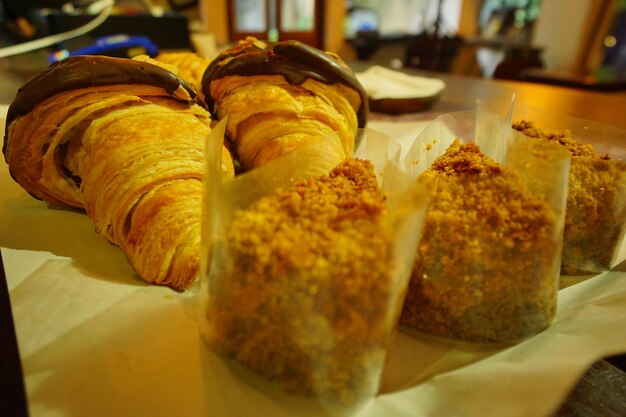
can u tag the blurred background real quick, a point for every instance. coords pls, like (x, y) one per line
(580, 43)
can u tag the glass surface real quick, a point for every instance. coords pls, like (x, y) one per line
(250, 16)
(406, 17)
(614, 43)
(297, 15)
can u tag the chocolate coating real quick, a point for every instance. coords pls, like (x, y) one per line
(294, 60)
(89, 71)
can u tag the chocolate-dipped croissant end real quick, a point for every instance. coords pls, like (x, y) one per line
(280, 96)
(189, 66)
(91, 71)
(123, 140)
(76, 73)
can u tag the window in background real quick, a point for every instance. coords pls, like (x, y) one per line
(301, 20)
(297, 15)
(509, 19)
(613, 65)
(361, 20)
(250, 16)
(276, 20)
(398, 18)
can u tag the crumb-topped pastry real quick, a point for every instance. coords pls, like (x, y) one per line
(484, 269)
(304, 299)
(596, 206)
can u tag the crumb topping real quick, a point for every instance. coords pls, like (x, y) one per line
(596, 210)
(564, 138)
(305, 300)
(483, 267)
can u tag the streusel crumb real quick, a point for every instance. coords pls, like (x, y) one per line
(596, 207)
(484, 269)
(305, 299)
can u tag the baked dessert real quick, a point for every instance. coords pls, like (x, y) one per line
(190, 66)
(124, 141)
(486, 266)
(303, 292)
(280, 96)
(596, 203)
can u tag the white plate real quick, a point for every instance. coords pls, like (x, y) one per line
(391, 91)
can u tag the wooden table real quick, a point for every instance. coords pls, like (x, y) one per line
(461, 93)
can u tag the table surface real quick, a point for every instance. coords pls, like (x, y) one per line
(461, 94)
(601, 391)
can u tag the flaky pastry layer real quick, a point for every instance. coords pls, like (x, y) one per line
(133, 158)
(268, 117)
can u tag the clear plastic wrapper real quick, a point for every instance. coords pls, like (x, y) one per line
(595, 220)
(301, 287)
(487, 266)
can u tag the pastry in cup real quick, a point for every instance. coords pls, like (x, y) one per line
(596, 202)
(123, 140)
(306, 276)
(487, 266)
(282, 96)
(595, 220)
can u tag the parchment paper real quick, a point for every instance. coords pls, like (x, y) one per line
(96, 341)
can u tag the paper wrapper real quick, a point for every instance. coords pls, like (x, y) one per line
(96, 341)
(313, 319)
(487, 267)
(595, 221)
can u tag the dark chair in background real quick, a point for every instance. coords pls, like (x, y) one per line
(431, 52)
(517, 61)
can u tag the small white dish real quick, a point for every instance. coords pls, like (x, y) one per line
(391, 91)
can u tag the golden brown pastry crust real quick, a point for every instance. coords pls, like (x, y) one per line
(279, 97)
(268, 117)
(189, 66)
(131, 156)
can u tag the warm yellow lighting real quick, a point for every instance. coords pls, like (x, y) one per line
(610, 41)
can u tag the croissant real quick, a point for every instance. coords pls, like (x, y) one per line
(189, 66)
(281, 96)
(124, 141)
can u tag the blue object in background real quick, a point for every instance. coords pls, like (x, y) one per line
(114, 45)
